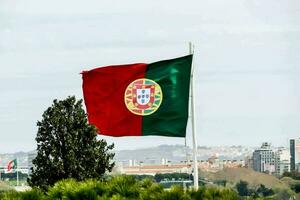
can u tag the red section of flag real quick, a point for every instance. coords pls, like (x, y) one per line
(103, 91)
(11, 165)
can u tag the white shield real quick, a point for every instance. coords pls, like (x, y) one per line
(143, 96)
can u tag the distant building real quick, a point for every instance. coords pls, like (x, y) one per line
(264, 159)
(156, 169)
(164, 161)
(133, 163)
(295, 154)
(282, 161)
(249, 162)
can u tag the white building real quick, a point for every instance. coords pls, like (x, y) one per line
(282, 161)
(264, 159)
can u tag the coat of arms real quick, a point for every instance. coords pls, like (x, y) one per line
(143, 96)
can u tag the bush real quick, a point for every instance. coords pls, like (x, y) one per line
(296, 187)
(263, 191)
(27, 195)
(119, 188)
(171, 176)
(126, 186)
(213, 193)
(71, 189)
(33, 194)
(10, 194)
(293, 174)
(242, 188)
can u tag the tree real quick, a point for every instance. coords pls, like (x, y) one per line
(170, 176)
(67, 146)
(293, 174)
(242, 188)
(264, 191)
(296, 187)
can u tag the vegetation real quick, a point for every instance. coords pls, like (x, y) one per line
(172, 176)
(234, 175)
(67, 146)
(119, 188)
(130, 188)
(13, 175)
(261, 191)
(293, 174)
(242, 188)
(296, 188)
(4, 186)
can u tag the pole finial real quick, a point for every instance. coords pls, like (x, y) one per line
(191, 48)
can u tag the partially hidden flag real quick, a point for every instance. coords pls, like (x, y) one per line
(139, 99)
(12, 165)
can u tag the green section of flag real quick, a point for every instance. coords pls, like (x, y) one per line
(15, 164)
(173, 76)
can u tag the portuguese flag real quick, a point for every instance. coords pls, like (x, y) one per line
(139, 99)
(12, 165)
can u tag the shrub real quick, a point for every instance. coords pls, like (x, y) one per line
(175, 193)
(33, 194)
(126, 186)
(119, 188)
(71, 189)
(242, 188)
(9, 195)
(296, 188)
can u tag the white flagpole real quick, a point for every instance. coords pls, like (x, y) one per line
(17, 173)
(196, 186)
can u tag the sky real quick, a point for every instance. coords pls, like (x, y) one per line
(246, 62)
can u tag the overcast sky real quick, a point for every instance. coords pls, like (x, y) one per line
(247, 58)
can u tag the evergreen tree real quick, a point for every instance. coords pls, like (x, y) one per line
(242, 188)
(67, 146)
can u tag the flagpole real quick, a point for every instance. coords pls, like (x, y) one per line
(196, 186)
(17, 173)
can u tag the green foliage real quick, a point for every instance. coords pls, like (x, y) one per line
(142, 177)
(175, 193)
(10, 194)
(296, 188)
(32, 195)
(4, 186)
(242, 188)
(293, 174)
(283, 194)
(71, 189)
(67, 146)
(150, 190)
(213, 193)
(14, 175)
(171, 176)
(221, 182)
(27, 195)
(119, 188)
(263, 191)
(126, 186)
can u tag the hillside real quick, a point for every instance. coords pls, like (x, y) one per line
(252, 177)
(4, 186)
(290, 181)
